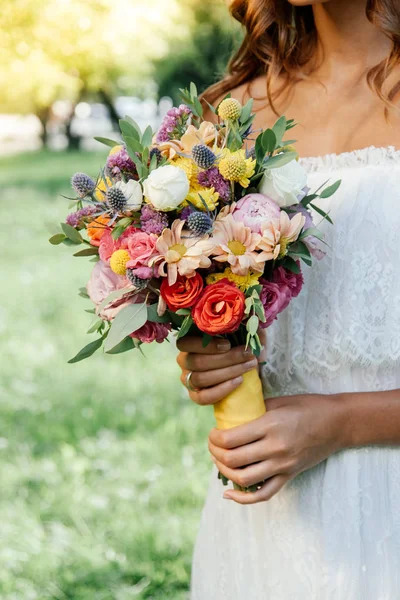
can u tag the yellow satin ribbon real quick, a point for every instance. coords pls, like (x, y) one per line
(244, 404)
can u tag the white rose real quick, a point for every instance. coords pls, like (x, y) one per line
(132, 191)
(166, 187)
(284, 184)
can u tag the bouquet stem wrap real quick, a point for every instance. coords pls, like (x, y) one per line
(244, 404)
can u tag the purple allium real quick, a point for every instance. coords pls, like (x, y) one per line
(213, 178)
(174, 124)
(121, 162)
(152, 221)
(74, 218)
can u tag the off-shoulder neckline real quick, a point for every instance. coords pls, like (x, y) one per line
(368, 156)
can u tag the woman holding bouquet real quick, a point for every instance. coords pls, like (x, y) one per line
(325, 525)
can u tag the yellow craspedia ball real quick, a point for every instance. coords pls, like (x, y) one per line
(233, 167)
(118, 261)
(230, 108)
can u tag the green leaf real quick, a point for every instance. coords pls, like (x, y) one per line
(128, 320)
(133, 145)
(134, 125)
(198, 106)
(147, 136)
(57, 239)
(260, 154)
(280, 160)
(193, 89)
(126, 344)
(268, 141)
(115, 295)
(107, 141)
(259, 310)
(87, 252)
(321, 212)
(330, 190)
(71, 233)
(291, 265)
(279, 129)
(206, 339)
(68, 242)
(91, 311)
(185, 327)
(252, 325)
(87, 351)
(83, 292)
(152, 315)
(98, 323)
(117, 232)
(246, 111)
(210, 106)
(153, 163)
(309, 198)
(312, 231)
(183, 311)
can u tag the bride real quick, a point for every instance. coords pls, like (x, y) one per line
(326, 524)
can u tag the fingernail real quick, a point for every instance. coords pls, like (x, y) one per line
(237, 380)
(224, 345)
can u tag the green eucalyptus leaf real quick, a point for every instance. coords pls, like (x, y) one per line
(87, 351)
(135, 126)
(206, 340)
(260, 154)
(183, 311)
(87, 252)
(252, 325)
(279, 129)
(57, 239)
(330, 190)
(321, 212)
(291, 265)
(126, 344)
(185, 327)
(115, 295)
(246, 111)
(147, 136)
(68, 242)
(133, 145)
(193, 89)
(152, 315)
(107, 141)
(95, 326)
(83, 292)
(268, 141)
(128, 320)
(71, 233)
(280, 160)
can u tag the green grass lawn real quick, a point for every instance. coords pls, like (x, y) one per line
(103, 464)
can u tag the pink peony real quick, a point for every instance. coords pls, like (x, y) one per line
(102, 282)
(151, 332)
(255, 209)
(275, 299)
(294, 281)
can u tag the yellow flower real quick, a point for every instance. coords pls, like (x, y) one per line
(209, 196)
(243, 282)
(102, 186)
(234, 166)
(190, 168)
(230, 108)
(115, 150)
(118, 261)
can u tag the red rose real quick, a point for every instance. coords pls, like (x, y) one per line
(183, 293)
(220, 308)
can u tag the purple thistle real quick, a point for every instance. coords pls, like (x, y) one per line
(212, 178)
(174, 124)
(74, 218)
(152, 221)
(121, 162)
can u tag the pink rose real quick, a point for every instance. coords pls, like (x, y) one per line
(294, 281)
(102, 282)
(107, 246)
(275, 299)
(141, 246)
(151, 332)
(255, 209)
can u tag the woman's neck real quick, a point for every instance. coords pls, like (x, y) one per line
(346, 39)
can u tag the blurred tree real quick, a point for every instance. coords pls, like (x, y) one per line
(204, 56)
(71, 49)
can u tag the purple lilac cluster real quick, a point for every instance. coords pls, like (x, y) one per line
(121, 162)
(74, 218)
(173, 125)
(213, 178)
(152, 221)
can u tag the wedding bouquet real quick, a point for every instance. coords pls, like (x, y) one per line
(199, 229)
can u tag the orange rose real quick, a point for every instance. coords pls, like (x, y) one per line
(96, 229)
(220, 308)
(183, 293)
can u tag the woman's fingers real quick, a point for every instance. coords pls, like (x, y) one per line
(208, 362)
(252, 474)
(269, 489)
(195, 344)
(239, 457)
(205, 379)
(214, 394)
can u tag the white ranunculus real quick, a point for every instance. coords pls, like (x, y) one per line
(166, 187)
(284, 184)
(132, 191)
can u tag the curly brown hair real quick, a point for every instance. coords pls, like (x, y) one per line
(280, 40)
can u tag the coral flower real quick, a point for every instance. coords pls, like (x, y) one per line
(236, 245)
(278, 234)
(97, 228)
(179, 254)
(206, 134)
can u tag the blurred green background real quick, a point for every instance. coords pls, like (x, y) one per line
(103, 464)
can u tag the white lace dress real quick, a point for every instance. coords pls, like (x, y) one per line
(332, 533)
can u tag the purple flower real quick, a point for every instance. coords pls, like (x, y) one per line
(152, 221)
(313, 243)
(275, 299)
(212, 178)
(121, 162)
(174, 124)
(185, 213)
(151, 332)
(294, 281)
(74, 218)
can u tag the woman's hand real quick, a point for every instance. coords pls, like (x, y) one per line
(216, 370)
(296, 433)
